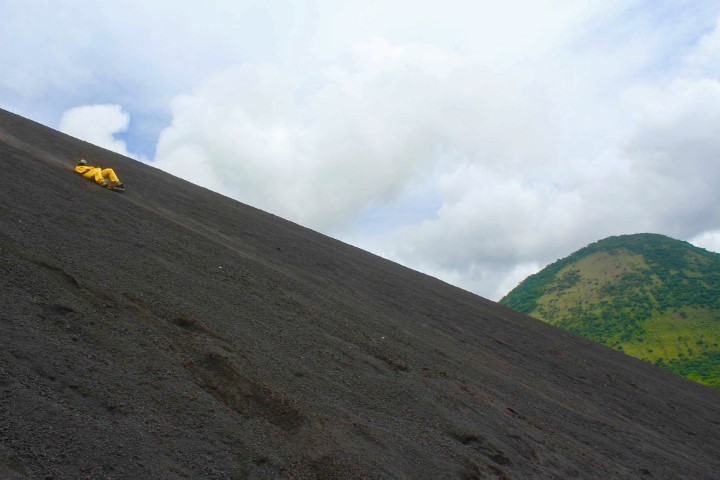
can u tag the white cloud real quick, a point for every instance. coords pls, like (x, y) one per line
(675, 152)
(512, 279)
(708, 241)
(316, 148)
(97, 124)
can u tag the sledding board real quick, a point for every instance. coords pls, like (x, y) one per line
(115, 188)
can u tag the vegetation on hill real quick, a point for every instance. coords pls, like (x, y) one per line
(651, 296)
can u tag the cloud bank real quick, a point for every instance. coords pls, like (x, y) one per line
(514, 169)
(97, 124)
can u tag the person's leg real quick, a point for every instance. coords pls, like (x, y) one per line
(95, 174)
(110, 173)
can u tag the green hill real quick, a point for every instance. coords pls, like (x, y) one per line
(648, 295)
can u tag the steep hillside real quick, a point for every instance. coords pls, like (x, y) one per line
(648, 295)
(170, 332)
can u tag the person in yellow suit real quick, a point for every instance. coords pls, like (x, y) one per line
(105, 177)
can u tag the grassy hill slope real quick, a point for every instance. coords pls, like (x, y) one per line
(651, 296)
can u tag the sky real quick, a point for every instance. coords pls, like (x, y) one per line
(475, 141)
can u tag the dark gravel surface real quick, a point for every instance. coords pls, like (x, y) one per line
(170, 332)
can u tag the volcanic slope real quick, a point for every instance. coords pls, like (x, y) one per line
(171, 332)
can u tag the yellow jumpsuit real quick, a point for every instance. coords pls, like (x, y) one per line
(98, 174)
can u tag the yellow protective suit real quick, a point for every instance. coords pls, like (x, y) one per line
(98, 174)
